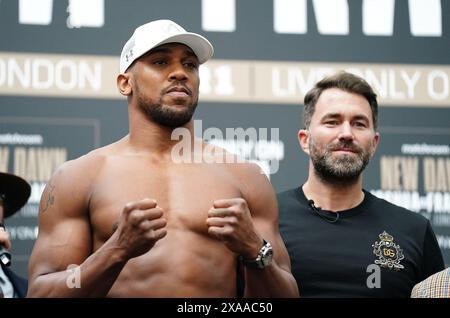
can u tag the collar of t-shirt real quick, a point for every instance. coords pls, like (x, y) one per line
(367, 201)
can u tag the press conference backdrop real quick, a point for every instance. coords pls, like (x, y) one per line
(58, 100)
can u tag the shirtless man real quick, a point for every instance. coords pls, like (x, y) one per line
(140, 225)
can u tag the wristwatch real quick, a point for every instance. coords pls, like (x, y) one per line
(263, 259)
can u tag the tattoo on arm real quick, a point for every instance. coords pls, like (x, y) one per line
(50, 199)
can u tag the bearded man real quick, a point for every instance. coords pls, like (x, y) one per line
(342, 240)
(130, 220)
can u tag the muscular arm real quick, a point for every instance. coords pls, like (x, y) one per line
(243, 223)
(275, 280)
(65, 239)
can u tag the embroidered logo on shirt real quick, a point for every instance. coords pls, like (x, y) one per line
(389, 254)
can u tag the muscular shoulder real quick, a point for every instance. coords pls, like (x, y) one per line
(82, 167)
(237, 167)
(71, 183)
(255, 187)
(87, 165)
(249, 175)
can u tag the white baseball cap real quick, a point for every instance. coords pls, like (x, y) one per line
(155, 33)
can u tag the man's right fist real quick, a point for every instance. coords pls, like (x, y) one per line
(140, 226)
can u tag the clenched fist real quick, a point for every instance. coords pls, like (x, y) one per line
(140, 226)
(230, 221)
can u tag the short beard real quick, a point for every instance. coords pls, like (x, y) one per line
(163, 115)
(345, 169)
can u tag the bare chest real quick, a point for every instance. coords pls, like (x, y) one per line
(184, 192)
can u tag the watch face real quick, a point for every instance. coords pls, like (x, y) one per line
(267, 255)
(263, 259)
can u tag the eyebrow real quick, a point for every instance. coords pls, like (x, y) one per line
(338, 115)
(361, 117)
(330, 116)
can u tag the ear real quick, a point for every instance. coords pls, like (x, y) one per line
(376, 139)
(303, 140)
(124, 84)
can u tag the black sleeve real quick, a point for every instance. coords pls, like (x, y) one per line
(433, 261)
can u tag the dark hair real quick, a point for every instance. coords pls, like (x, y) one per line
(345, 81)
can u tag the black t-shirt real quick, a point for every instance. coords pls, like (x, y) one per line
(376, 249)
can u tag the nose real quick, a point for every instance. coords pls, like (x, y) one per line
(346, 132)
(178, 73)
